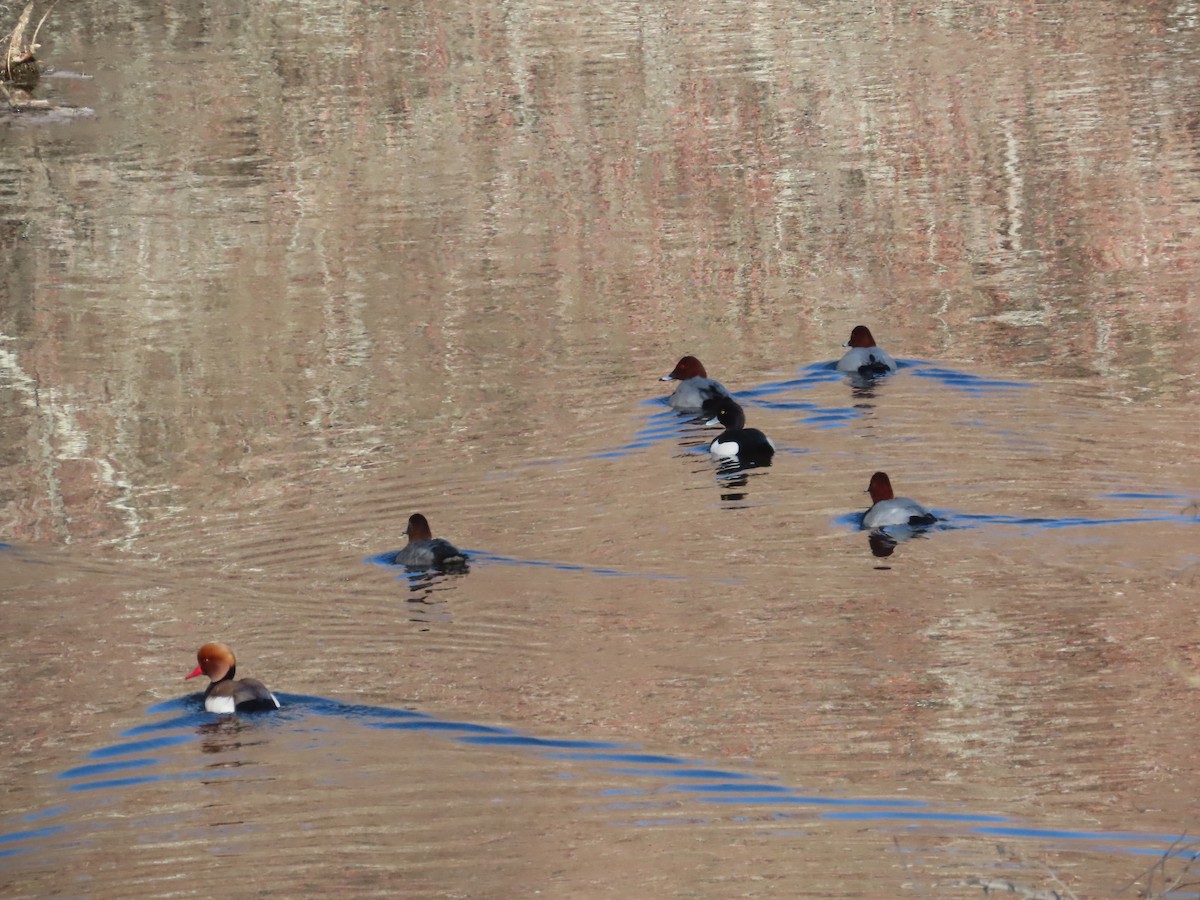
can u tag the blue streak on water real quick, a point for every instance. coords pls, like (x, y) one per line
(111, 783)
(683, 773)
(31, 834)
(1158, 852)
(948, 520)
(165, 725)
(482, 556)
(107, 768)
(115, 783)
(519, 740)
(661, 427)
(620, 757)
(825, 372)
(915, 816)
(1065, 834)
(963, 381)
(350, 711)
(665, 425)
(439, 725)
(773, 793)
(964, 520)
(733, 788)
(850, 520)
(140, 746)
(798, 406)
(836, 417)
(172, 705)
(44, 813)
(811, 376)
(704, 784)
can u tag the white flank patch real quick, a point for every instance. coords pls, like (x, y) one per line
(219, 704)
(725, 450)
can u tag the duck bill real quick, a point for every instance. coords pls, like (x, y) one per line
(195, 672)
(713, 421)
(667, 378)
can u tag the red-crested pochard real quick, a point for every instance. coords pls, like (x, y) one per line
(226, 694)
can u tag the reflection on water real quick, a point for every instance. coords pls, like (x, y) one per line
(683, 429)
(617, 783)
(419, 581)
(883, 541)
(308, 269)
(660, 783)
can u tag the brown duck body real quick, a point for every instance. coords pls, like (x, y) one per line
(423, 550)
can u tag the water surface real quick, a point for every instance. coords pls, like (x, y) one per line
(310, 269)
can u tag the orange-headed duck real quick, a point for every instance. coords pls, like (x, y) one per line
(225, 694)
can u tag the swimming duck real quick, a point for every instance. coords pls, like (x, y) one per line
(864, 357)
(888, 509)
(224, 694)
(424, 550)
(694, 385)
(746, 444)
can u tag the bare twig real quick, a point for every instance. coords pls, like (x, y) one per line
(15, 52)
(33, 44)
(1180, 848)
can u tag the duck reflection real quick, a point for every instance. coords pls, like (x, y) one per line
(696, 435)
(229, 733)
(883, 542)
(733, 474)
(422, 603)
(862, 387)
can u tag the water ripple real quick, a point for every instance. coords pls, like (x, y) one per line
(647, 783)
(388, 561)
